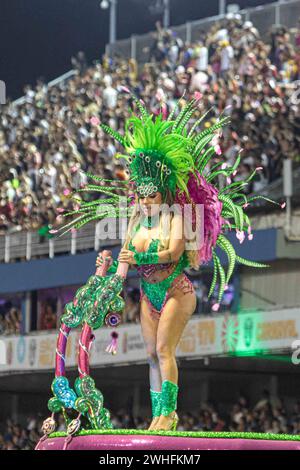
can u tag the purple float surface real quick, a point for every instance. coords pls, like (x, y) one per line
(153, 442)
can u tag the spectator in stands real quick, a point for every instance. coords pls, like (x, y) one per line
(49, 318)
(10, 321)
(132, 307)
(200, 55)
(226, 55)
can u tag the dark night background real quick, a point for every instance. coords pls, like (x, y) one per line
(38, 37)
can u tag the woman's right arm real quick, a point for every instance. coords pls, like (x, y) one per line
(115, 266)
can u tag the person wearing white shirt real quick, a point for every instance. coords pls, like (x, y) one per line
(227, 54)
(201, 56)
(109, 93)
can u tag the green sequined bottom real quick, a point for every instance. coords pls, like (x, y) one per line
(157, 292)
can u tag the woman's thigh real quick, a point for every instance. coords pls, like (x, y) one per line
(149, 326)
(174, 317)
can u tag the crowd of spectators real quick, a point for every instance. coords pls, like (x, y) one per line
(10, 321)
(268, 415)
(48, 142)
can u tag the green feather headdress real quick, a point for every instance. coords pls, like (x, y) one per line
(157, 154)
(162, 153)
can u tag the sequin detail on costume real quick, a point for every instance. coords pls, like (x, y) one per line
(156, 294)
(157, 291)
(169, 393)
(155, 402)
(182, 283)
(146, 270)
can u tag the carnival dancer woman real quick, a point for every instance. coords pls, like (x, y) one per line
(167, 296)
(168, 162)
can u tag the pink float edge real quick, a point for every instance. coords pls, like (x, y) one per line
(160, 442)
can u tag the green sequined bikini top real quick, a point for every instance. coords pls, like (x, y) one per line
(147, 270)
(157, 292)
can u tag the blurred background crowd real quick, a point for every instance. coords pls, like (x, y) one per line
(49, 311)
(48, 143)
(268, 415)
(10, 320)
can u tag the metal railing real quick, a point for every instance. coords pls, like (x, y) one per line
(56, 81)
(23, 246)
(263, 17)
(274, 190)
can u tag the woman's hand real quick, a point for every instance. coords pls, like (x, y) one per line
(126, 256)
(99, 260)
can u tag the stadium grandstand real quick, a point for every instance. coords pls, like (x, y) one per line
(239, 365)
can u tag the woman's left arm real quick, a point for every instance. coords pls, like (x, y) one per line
(177, 242)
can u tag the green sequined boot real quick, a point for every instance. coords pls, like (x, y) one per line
(155, 403)
(169, 393)
(156, 408)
